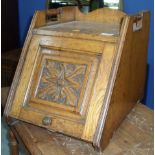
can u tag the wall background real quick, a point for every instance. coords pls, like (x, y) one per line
(27, 8)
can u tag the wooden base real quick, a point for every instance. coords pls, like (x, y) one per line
(135, 136)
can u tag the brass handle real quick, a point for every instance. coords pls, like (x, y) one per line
(47, 121)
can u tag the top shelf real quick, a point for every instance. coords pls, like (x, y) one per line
(82, 30)
(100, 25)
(85, 27)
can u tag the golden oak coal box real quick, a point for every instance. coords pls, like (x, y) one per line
(82, 74)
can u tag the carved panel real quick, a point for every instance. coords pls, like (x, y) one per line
(61, 82)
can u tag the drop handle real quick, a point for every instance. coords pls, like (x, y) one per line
(47, 121)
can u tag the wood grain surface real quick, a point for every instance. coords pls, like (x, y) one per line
(128, 88)
(106, 44)
(134, 136)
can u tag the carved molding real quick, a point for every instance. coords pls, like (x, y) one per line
(61, 82)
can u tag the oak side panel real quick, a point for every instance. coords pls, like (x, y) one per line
(104, 110)
(130, 80)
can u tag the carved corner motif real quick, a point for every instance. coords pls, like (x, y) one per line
(61, 82)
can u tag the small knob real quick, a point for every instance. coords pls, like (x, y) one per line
(47, 121)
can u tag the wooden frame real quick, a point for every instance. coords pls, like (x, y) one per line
(114, 85)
